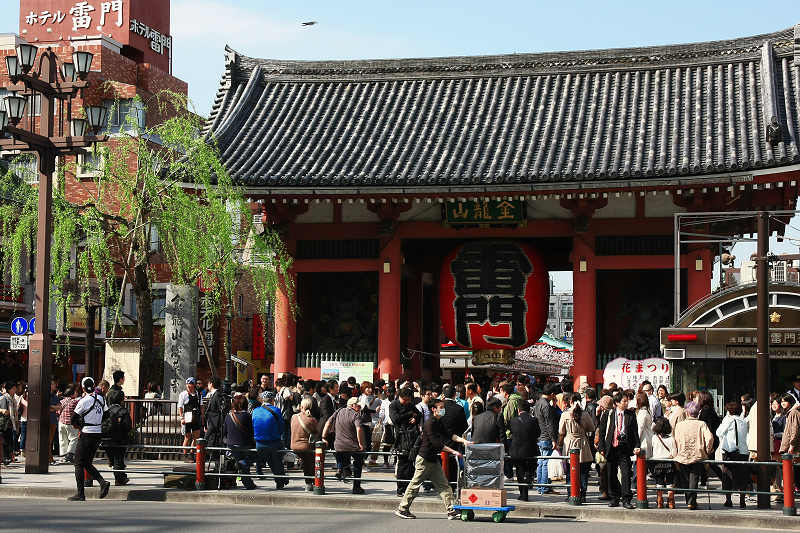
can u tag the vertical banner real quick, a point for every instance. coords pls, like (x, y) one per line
(259, 347)
(180, 343)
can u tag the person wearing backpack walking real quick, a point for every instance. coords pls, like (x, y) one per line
(115, 429)
(88, 416)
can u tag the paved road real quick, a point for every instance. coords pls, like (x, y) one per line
(21, 515)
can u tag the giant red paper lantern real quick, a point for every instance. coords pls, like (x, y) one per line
(494, 295)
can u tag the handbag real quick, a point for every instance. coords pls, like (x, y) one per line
(4, 420)
(312, 438)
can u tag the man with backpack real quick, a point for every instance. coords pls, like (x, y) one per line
(115, 429)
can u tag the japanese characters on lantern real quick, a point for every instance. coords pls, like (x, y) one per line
(494, 295)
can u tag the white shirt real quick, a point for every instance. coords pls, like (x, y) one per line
(92, 412)
(731, 431)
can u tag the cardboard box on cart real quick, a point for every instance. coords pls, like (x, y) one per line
(480, 497)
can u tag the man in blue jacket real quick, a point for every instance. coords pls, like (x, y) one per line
(268, 429)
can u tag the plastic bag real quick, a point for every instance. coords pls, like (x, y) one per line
(484, 465)
(555, 467)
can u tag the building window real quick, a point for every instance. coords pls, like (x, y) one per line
(90, 164)
(118, 113)
(552, 311)
(159, 304)
(241, 305)
(25, 167)
(132, 304)
(566, 310)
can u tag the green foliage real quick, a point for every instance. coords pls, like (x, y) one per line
(163, 181)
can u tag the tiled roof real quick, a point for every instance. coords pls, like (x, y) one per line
(500, 121)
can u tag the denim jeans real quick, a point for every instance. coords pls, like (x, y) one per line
(270, 452)
(243, 457)
(546, 449)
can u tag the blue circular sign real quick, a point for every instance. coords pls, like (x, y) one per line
(32, 326)
(19, 326)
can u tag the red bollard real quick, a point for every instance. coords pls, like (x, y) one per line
(641, 481)
(319, 468)
(446, 464)
(200, 479)
(574, 476)
(87, 479)
(788, 485)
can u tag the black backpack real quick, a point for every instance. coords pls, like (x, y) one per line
(116, 425)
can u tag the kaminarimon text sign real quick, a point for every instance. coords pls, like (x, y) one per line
(628, 373)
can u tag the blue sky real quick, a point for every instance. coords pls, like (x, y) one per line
(413, 28)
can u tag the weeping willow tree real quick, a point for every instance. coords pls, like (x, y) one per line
(162, 183)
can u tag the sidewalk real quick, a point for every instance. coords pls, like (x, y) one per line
(147, 485)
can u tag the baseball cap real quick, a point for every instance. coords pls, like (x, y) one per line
(191, 381)
(267, 395)
(352, 401)
(796, 377)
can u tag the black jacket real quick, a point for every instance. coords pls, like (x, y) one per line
(547, 416)
(454, 422)
(488, 427)
(406, 432)
(525, 429)
(607, 428)
(325, 404)
(213, 413)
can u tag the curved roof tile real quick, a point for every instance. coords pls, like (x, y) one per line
(691, 109)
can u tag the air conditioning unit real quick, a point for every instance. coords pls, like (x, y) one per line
(674, 353)
(747, 271)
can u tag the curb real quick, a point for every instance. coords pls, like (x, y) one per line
(373, 503)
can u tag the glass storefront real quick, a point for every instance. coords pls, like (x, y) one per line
(729, 379)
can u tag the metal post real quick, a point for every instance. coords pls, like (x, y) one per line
(200, 480)
(641, 481)
(319, 468)
(788, 485)
(763, 447)
(574, 476)
(1, 462)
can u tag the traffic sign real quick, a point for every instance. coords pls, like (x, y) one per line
(32, 326)
(19, 342)
(19, 326)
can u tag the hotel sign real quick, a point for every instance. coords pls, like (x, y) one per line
(484, 213)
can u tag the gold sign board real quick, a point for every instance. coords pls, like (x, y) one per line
(493, 357)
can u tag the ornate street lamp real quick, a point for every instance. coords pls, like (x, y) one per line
(15, 107)
(48, 147)
(27, 56)
(12, 66)
(68, 71)
(96, 115)
(83, 62)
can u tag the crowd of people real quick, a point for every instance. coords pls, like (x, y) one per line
(406, 424)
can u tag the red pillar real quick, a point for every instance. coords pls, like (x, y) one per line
(389, 310)
(584, 287)
(698, 281)
(285, 335)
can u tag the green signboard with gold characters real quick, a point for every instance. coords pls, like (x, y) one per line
(484, 213)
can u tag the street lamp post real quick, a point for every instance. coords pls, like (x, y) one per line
(50, 85)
